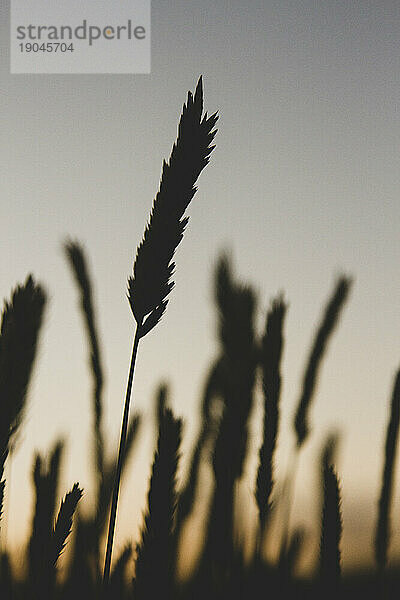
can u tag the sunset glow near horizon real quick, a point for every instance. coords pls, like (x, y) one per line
(303, 185)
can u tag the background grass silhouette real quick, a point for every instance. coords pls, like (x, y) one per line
(148, 568)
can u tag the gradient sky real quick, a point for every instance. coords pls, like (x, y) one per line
(304, 184)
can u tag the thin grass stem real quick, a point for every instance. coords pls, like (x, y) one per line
(121, 452)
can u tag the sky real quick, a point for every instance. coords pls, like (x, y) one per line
(303, 185)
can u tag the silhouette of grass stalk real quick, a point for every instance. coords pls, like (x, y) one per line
(238, 362)
(324, 332)
(383, 524)
(41, 565)
(331, 532)
(20, 325)
(271, 352)
(155, 550)
(63, 524)
(77, 260)
(153, 268)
